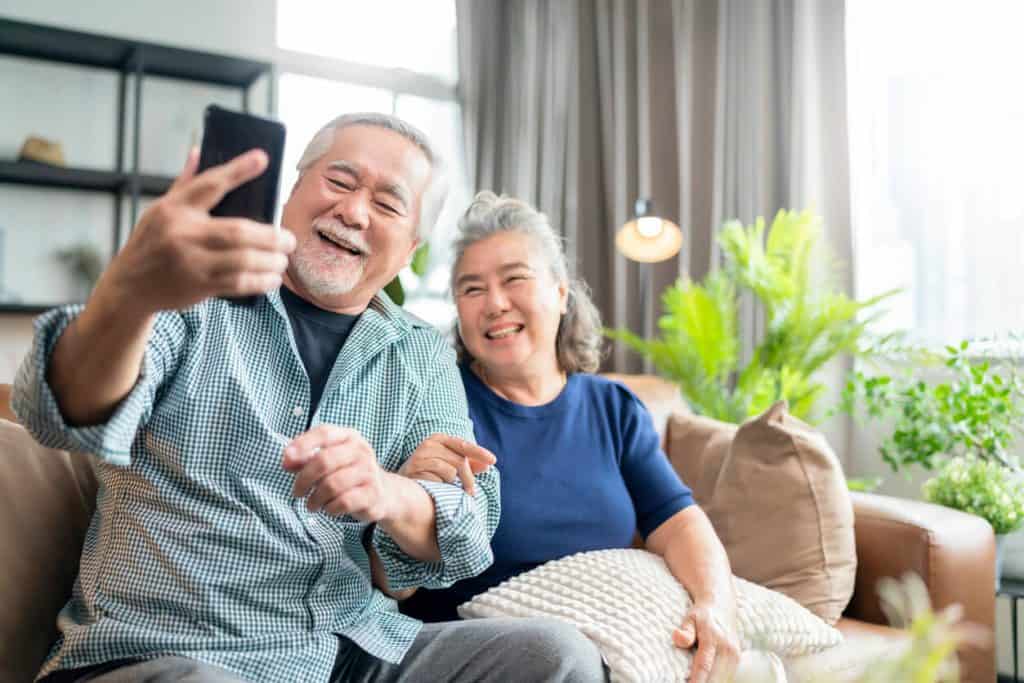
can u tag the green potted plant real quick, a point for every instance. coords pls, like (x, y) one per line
(807, 323)
(985, 488)
(964, 424)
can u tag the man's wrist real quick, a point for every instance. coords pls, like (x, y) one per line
(399, 501)
(114, 300)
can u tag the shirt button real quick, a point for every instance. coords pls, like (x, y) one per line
(297, 411)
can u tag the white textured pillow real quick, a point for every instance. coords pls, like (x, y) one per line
(628, 602)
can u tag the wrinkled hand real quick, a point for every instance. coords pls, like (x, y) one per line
(713, 630)
(338, 470)
(178, 255)
(445, 458)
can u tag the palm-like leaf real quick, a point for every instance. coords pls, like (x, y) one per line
(807, 323)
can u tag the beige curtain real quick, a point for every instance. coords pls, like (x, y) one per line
(745, 106)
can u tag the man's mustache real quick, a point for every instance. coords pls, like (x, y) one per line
(339, 232)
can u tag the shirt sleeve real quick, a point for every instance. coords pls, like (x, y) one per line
(656, 489)
(36, 406)
(465, 524)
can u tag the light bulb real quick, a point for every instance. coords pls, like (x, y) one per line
(649, 226)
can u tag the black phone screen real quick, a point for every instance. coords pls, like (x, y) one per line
(227, 134)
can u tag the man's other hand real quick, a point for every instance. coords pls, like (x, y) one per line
(338, 470)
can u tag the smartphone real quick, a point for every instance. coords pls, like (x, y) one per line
(227, 134)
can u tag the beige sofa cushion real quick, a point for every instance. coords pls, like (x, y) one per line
(46, 502)
(775, 493)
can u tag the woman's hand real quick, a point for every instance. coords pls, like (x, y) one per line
(445, 458)
(713, 630)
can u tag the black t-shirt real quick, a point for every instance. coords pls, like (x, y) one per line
(319, 334)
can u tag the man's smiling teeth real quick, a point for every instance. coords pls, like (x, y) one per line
(503, 332)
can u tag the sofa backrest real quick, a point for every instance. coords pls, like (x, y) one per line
(47, 498)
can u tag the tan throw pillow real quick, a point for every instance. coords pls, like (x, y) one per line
(628, 603)
(777, 497)
(697, 446)
(46, 502)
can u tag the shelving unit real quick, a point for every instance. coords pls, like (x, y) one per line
(129, 59)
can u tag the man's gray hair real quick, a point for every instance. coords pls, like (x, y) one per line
(578, 345)
(437, 190)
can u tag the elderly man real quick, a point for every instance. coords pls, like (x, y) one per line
(247, 457)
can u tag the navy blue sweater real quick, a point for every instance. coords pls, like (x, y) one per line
(583, 472)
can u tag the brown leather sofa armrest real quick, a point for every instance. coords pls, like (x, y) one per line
(952, 551)
(6, 412)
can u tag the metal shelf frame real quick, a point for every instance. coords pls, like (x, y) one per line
(128, 58)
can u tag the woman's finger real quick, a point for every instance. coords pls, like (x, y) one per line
(444, 471)
(466, 475)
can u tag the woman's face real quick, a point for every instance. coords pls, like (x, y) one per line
(509, 304)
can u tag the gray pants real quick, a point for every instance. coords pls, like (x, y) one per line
(496, 650)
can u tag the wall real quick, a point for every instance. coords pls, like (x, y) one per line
(78, 106)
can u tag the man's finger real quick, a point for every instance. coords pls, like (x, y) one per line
(476, 454)
(244, 284)
(247, 261)
(335, 485)
(301, 448)
(240, 233)
(209, 187)
(189, 170)
(322, 464)
(353, 501)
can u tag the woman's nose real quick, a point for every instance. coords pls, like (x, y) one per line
(497, 302)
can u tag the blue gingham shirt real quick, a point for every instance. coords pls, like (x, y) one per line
(198, 548)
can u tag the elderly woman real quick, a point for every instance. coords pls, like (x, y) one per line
(580, 462)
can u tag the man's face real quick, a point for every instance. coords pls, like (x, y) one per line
(354, 214)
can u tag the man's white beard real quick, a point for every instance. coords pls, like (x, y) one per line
(318, 272)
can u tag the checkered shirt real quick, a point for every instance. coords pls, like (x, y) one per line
(198, 548)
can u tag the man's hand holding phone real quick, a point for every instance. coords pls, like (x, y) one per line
(178, 254)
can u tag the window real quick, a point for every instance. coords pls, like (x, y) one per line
(398, 34)
(937, 143)
(389, 56)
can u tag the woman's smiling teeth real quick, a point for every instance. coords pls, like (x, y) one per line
(504, 331)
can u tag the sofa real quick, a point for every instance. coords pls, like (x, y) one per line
(47, 500)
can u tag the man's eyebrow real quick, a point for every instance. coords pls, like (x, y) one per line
(344, 167)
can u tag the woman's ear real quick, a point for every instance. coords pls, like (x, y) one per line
(564, 292)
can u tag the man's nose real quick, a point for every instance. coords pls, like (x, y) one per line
(353, 210)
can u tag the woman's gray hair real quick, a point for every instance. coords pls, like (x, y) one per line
(433, 198)
(579, 341)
